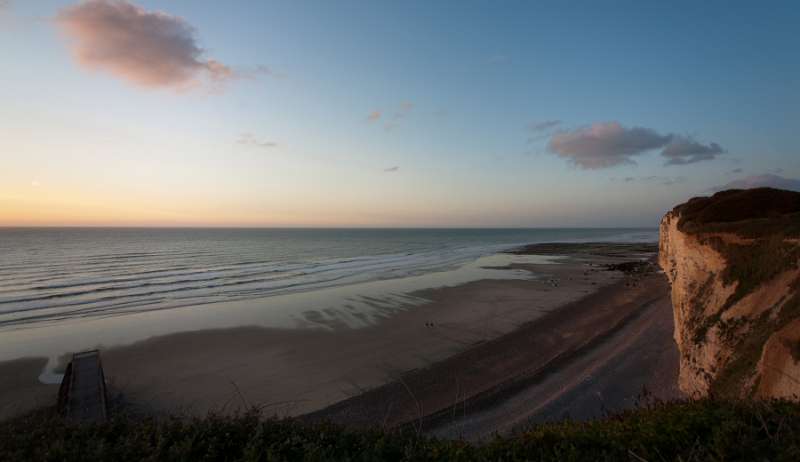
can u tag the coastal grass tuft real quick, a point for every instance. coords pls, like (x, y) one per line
(693, 430)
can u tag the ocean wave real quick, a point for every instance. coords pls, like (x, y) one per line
(73, 281)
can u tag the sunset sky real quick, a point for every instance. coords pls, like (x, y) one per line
(378, 113)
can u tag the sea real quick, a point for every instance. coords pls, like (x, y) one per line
(65, 283)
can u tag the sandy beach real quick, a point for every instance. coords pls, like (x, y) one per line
(593, 355)
(19, 388)
(473, 328)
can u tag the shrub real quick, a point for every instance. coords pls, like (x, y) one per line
(697, 430)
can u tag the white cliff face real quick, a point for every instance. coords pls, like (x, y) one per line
(698, 293)
(747, 345)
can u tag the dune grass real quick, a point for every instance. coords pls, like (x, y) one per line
(698, 430)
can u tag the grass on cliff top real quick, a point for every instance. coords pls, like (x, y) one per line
(699, 430)
(745, 212)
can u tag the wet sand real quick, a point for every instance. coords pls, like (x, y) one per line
(293, 372)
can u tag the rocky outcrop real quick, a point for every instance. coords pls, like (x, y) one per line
(733, 262)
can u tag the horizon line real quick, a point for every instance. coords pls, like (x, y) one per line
(6, 227)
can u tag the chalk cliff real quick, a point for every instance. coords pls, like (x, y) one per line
(733, 262)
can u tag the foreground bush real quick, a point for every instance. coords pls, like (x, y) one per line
(701, 430)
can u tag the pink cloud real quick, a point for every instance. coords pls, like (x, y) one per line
(607, 144)
(147, 48)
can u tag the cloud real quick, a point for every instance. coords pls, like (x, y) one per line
(392, 169)
(653, 179)
(684, 150)
(405, 108)
(541, 130)
(664, 180)
(760, 181)
(147, 48)
(544, 125)
(258, 71)
(607, 144)
(250, 140)
(392, 119)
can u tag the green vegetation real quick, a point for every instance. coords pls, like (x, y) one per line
(749, 213)
(699, 430)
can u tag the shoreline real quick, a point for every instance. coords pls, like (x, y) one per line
(290, 372)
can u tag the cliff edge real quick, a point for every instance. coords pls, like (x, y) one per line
(733, 260)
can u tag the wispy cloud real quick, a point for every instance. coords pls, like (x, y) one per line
(539, 131)
(652, 179)
(392, 169)
(249, 139)
(608, 144)
(405, 108)
(146, 48)
(544, 125)
(760, 181)
(258, 71)
(391, 118)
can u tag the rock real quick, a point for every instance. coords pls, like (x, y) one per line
(733, 262)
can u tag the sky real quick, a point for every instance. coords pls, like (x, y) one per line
(386, 114)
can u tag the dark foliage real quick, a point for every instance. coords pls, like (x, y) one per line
(756, 212)
(700, 430)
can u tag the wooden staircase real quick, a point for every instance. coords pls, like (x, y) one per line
(82, 396)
